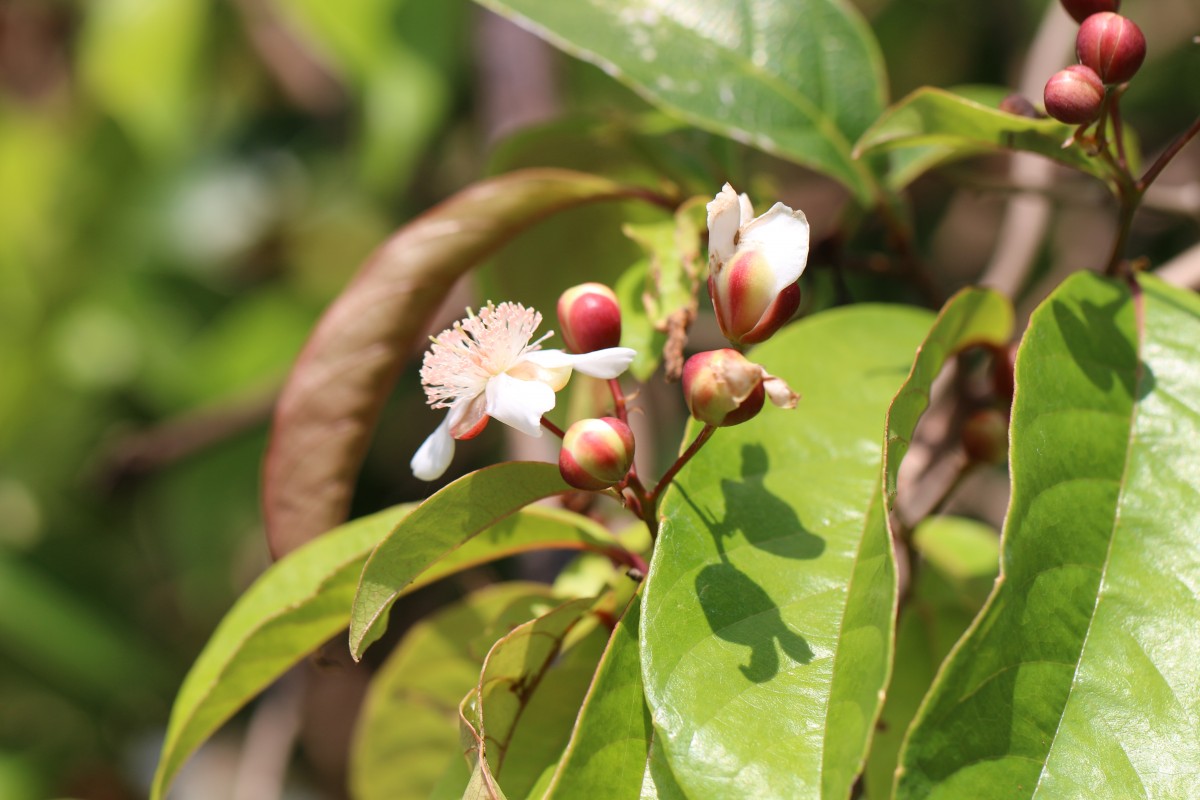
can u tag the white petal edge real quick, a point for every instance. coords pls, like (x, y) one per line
(433, 457)
(725, 213)
(519, 404)
(782, 236)
(607, 363)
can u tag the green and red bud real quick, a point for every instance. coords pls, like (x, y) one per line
(1082, 9)
(985, 436)
(724, 388)
(1074, 95)
(1111, 45)
(596, 453)
(589, 317)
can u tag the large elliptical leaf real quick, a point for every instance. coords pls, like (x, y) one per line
(304, 599)
(407, 732)
(336, 390)
(800, 79)
(939, 125)
(440, 525)
(772, 580)
(1081, 678)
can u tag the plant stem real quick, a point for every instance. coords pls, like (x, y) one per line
(550, 426)
(1167, 155)
(618, 397)
(670, 474)
(1118, 134)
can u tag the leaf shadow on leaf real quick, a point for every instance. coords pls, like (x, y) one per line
(738, 609)
(1100, 322)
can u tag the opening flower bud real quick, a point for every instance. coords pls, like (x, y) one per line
(589, 317)
(1111, 45)
(724, 388)
(985, 436)
(1082, 9)
(754, 263)
(1074, 95)
(596, 453)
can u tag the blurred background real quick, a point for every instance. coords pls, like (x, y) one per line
(185, 184)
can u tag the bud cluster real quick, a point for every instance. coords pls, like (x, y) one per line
(1110, 49)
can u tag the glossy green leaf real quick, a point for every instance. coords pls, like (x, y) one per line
(800, 79)
(767, 613)
(1079, 678)
(960, 558)
(407, 732)
(304, 599)
(512, 671)
(333, 396)
(437, 527)
(608, 751)
(970, 317)
(658, 296)
(956, 124)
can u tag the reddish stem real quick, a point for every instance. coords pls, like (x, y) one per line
(693, 448)
(550, 426)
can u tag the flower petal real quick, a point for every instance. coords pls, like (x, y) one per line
(519, 404)
(434, 455)
(607, 363)
(781, 235)
(779, 392)
(725, 214)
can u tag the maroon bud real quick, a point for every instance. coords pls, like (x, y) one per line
(985, 436)
(590, 318)
(1111, 45)
(1074, 95)
(1019, 105)
(596, 453)
(1082, 9)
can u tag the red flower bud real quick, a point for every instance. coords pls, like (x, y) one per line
(590, 318)
(596, 453)
(1111, 45)
(1074, 95)
(1082, 9)
(724, 388)
(985, 436)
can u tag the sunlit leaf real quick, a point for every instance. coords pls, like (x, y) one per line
(960, 558)
(512, 672)
(442, 524)
(768, 610)
(304, 599)
(958, 126)
(800, 79)
(1080, 677)
(407, 731)
(333, 396)
(608, 751)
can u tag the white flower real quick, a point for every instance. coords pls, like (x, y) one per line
(754, 263)
(486, 366)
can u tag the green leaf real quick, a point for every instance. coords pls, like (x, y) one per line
(970, 317)
(960, 558)
(608, 751)
(768, 610)
(800, 79)
(333, 396)
(421, 684)
(658, 295)
(305, 598)
(439, 525)
(960, 126)
(514, 667)
(138, 59)
(1080, 678)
